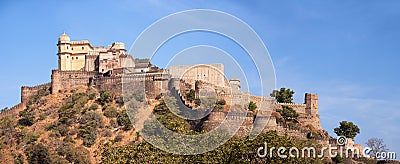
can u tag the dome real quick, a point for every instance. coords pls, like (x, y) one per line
(64, 38)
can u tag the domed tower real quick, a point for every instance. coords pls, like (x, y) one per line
(64, 52)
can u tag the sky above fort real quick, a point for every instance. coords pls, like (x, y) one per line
(346, 51)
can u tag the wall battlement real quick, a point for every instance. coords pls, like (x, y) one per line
(27, 91)
(13, 110)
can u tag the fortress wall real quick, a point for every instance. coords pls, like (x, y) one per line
(312, 120)
(90, 62)
(299, 108)
(27, 91)
(70, 79)
(216, 117)
(13, 111)
(152, 82)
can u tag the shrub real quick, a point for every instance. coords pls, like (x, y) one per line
(110, 112)
(62, 129)
(90, 122)
(221, 102)
(39, 154)
(105, 97)
(67, 114)
(113, 123)
(252, 106)
(197, 102)
(30, 138)
(93, 118)
(107, 133)
(27, 118)
(92, 96)
(73, 154)
(89, 139)
(68, 139)
(190, 96)
(93, 107)
(123, 120)
(118, 138)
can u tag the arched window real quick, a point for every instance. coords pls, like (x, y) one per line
(83, 48)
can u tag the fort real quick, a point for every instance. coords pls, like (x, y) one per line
(82, 64)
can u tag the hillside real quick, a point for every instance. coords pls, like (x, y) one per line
(85, 125)
(71, 125)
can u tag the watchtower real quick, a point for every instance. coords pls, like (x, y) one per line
(311, 101)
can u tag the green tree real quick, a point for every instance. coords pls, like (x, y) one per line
(190, 96)
(283, 95)
(39, 155)
(288, 113)
(235, 150)
(347, 129)
(252, 106)
(105, 97)
(27, 118)
(7, 129)
(123, 120)
(220, 104)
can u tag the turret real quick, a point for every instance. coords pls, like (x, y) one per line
(64, 52)
(235, 84)
(311, 101)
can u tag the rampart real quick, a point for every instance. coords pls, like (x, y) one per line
(70, 79)
(13, 110)
(27, 91)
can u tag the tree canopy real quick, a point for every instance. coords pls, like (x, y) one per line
(252, 106)
(347, 129)
(283, 95)
(288, 113)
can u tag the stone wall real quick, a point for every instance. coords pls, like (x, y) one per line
(70, 79)
(300, 108)
(13, 110)
(210, 73)
(27, 91)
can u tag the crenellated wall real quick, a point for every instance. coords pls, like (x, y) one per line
(13, 110)
(27, 91)
(70, 79)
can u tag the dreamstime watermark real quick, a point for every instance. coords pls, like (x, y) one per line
(340, 148)
(199, 20)
(381, 155)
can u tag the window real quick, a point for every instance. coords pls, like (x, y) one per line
(67, 57)
(72, 48)
(72, 58)
(83, 48)
(67, 47)
(77, 58)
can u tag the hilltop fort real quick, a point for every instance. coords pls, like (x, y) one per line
(106, 68)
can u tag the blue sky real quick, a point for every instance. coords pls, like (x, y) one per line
(346, 51)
